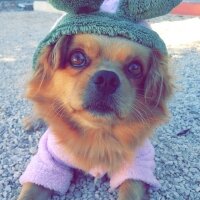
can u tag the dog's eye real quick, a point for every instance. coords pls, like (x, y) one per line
(78, 59)
(134, 69)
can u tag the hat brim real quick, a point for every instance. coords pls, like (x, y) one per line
(102, 24)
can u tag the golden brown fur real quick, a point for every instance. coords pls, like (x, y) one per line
(57, 90)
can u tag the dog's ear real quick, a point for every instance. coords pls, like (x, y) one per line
(55, 55)
(158, 86)
(52, 57)
(59, 54)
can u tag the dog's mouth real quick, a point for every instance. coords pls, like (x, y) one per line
(100, 108)
(101, 105)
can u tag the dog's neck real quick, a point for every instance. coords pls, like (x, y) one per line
(96, 147)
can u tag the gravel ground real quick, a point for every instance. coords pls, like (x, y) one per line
(13, 5)
(177, 143)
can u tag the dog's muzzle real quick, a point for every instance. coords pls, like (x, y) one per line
(101, 92)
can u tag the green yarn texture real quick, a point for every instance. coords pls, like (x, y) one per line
(77, 6)
(146, 9)
(84, 17)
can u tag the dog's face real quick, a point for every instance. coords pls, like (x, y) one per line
(101, 80)
(102, 96)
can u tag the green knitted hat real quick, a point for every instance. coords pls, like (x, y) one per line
(123, 20)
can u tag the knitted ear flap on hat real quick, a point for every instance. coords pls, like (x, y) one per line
(77, 6)
(145, 9)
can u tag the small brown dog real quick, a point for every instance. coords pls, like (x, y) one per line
(102, 97)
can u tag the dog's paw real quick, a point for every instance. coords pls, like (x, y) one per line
(31, 191)
(132, 190)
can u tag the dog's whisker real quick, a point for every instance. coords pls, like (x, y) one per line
(145, 97)
(59, 111)
(160, 91)
(141, 114)
(144, 106)
(58, 108)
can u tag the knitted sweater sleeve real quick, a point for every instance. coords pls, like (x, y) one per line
(44, 170)
(141, 168)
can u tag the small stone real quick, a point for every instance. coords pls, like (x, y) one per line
(77, 194)
(4, 193)
(197, 189)
(176, 195)
(187, 192)
(16, 174)
(72, 187)
(169, 162)
(8, 188)
(84, 196)
(96, 195)
(33, 150)
(30, 139)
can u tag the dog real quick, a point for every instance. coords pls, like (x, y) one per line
(102, 97)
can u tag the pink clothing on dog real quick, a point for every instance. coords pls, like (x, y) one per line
(53, 170)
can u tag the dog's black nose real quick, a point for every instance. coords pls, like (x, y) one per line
(106, 82)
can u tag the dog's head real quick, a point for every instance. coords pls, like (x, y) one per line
(94, 81)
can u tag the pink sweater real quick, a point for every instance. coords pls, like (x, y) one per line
(53, 170)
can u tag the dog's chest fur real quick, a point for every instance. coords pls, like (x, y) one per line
(94, 150)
